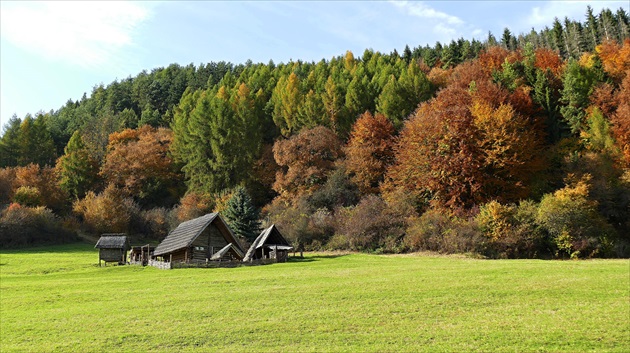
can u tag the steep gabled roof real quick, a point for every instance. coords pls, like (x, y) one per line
(269, 236)
(112, 241)
(219, 254)
(186, 233)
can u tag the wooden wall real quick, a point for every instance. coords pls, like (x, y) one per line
(111, 255)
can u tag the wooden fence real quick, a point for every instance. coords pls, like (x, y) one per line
(210, 264)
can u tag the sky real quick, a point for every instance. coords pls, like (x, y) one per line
(51, 52)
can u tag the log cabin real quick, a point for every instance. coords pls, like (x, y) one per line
(199, 240)
(270, 244)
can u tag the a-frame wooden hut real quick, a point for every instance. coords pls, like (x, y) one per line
(112, 248)
(198, 240)
(270, 244)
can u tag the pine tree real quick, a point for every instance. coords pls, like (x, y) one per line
(241, 215)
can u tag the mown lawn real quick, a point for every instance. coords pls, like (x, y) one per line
(58, 299)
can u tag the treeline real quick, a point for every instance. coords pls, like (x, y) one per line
(516, 148)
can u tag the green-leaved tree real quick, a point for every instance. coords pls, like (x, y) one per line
(242, 216)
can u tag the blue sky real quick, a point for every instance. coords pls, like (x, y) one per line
(54, 51)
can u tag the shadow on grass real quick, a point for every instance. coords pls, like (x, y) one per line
(311, 258)
(51, 248)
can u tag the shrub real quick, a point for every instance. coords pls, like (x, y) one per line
(372, 226)
(572, 221)
(337, 191)
(291, 220)
(26, 226)
(155, 223)
(28, 196)
(7, 178)
(510, 231)
(438, 230)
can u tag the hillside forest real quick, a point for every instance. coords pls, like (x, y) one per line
(517, 146)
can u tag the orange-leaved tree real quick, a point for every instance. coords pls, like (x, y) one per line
(369, 151)
(615, 58)
(138, 162)
(621, 119)
(467, 146)
(305, 159)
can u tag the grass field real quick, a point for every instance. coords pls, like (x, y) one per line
(58, 299)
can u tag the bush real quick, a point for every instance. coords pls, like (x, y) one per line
(155, 223)
(337, 191)
(291, 220)
(25, 226)
(7, 178)
(511, 231)
(438, 230)
(28, 196)
(572, 221)
(372, 226)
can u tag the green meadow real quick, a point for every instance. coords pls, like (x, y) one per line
(57, 299)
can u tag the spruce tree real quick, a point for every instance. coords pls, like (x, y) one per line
(242, 216)
(10, 143)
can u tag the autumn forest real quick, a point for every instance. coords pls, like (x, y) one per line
(517, 146)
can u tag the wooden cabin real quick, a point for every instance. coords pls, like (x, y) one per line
(199, 240)
(112, 248)
(270, 244)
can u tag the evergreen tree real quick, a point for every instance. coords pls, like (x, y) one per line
(557, 33)
(149, 117)
(77, 170)
(407, 56)
(578, 84)
(36, 143)
(592, 31)
(546, 96)
(334, 99)
(623, 24)
(241, 215)
(608, 26)
(508, 40)
(129, 119)
(287, 97)
(10, 143)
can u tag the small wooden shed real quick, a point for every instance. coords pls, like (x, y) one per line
(270, 244)
(112, 247)
(199, 240)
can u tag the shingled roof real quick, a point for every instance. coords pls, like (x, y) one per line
(269, 236)
(112, 241)
(186, 233)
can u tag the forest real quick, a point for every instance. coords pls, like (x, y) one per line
(511, 147)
